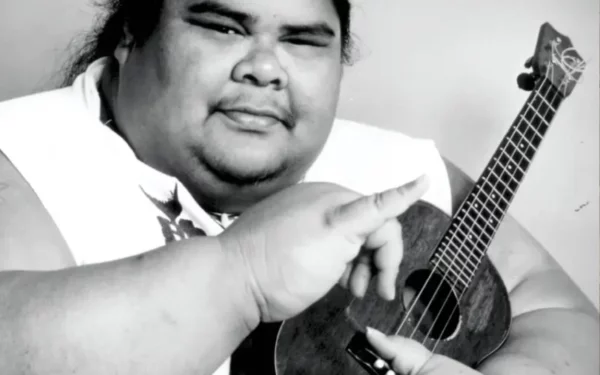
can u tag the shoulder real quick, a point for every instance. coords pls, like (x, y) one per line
(39, 106)
(38, 117)
(369, 159)
(29, 238)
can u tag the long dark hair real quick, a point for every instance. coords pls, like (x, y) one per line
(141, 18)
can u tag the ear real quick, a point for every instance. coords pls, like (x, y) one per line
(124, 47)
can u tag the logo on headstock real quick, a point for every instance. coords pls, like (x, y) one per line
(565, 68)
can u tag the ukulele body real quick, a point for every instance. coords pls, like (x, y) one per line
(316, 341)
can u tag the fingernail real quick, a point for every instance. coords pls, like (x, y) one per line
(375, 333)
(392, 294)
(424, 178)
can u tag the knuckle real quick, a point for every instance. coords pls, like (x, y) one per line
(393, 231)
(330, 216)
(394, 226)
(378, 202)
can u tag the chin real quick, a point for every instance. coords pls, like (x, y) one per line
(232, 185)
(242, 170)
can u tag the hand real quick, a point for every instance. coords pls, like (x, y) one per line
(297, 244)
(408, 357)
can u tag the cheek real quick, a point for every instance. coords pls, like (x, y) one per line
(315, 96)
(318, 83)
(191, 83)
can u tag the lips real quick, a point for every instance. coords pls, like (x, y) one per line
(253, 119)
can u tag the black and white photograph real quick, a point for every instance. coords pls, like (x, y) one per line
(299, 187)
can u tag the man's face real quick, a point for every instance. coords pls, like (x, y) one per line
(235, 98)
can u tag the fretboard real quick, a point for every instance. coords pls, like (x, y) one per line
(474, 226)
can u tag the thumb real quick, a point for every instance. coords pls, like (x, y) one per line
(362, 216)
(406, 357)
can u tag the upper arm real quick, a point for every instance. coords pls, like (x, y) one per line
(532, 276)
(29, 239)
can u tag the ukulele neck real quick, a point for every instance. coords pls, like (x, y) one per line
(472, 229)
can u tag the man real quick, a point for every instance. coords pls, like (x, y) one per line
(196, 112)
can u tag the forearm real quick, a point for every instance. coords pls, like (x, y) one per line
(549, 341)
(176, 310)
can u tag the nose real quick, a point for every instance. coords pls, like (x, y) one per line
(261, 67)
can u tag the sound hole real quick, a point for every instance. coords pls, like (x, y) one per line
(430, 301)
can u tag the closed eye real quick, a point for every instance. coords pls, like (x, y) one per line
(318, 34)
(307, 42)
(219, 27)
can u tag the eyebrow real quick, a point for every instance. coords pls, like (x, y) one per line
(215, 7)
(319, 29)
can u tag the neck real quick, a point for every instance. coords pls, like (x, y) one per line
(216, 195)
(474, 226)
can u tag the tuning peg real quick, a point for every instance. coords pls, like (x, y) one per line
(529, 62)
(526, 81)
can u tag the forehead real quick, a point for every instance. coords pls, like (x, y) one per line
(274, 12)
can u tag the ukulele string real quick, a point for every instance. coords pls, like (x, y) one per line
(566, 62)
(445, 276)
(570, 66)
(515, 130)
(418, 296)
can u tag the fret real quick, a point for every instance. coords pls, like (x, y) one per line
(517, 160)
(450, 246)
(490, 224)
(456, 282)
(550, 94)
(485, 192)
(500, 188)
(543, 99)
(517, 172)
(486, 195)
(502, 183)
(541, 107)
(473, 227)
(489, 190)
(480, 224)
(449, 271)
(529, 127)
(530, 150)
(506, 171)
(521, 149)
(465, 236)
(523, 138)
(468, 237)
(502, 174)
(454, 265)
(498, 212)
(531, 135)
(528, 118)
(535, 111)
(495, 213)
(518, 145)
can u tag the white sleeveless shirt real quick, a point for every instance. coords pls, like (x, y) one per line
(108, 205)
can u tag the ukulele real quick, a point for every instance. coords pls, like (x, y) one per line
(451, 298)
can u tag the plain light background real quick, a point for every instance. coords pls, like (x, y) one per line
(438, 69)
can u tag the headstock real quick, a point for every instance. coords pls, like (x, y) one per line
(554, 59)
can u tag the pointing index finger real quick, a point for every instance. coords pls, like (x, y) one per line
(393, 202)
(364, 215)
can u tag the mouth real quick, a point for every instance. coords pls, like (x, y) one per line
(256, 120)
